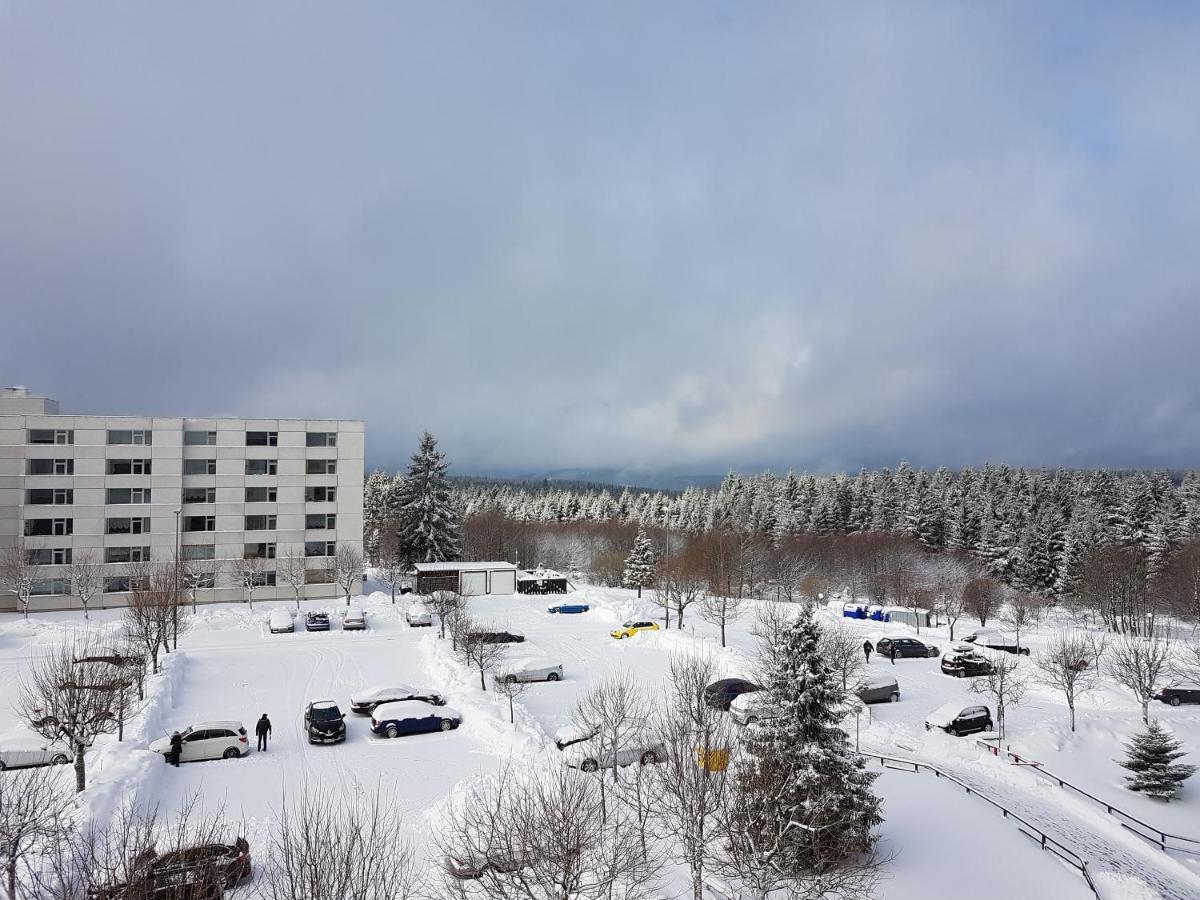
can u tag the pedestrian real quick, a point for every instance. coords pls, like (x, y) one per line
(892, 652)
(262, 729)
(176, 749)
(867, 648)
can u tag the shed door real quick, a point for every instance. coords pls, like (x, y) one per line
(474, 583)
(504, 582)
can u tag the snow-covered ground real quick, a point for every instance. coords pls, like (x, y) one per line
(230, 666)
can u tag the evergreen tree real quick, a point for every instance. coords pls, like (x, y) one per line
(1151, 758)
(805, 798)
(639, 565)
(428, 519)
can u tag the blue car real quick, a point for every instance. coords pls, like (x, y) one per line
(412, 717)
(569, 608)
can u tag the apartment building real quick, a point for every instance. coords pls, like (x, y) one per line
(123, 490)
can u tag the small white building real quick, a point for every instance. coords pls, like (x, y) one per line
(467, 578)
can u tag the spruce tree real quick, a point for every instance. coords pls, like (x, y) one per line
(428, 521)
(805, 802)
(639, 565)
(1151, 758)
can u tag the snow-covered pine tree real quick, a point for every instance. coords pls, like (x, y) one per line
(804, 801)
(1151, 758)
(639, 565)
(428, 519)
(375, 500)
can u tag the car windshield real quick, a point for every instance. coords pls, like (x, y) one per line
(325, 713)
(628, 624)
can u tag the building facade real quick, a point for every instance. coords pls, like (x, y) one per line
(123, 491)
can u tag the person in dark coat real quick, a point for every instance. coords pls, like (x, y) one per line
(176, 749)
(892, 652)
(262, 729)
(867, 648)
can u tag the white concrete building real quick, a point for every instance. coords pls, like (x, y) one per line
(125, 489)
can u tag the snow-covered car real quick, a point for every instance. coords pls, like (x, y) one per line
(1177, 692)
(202, 871)
(354, 620)
(753, 706)
(412, 717)
(529, 668)
(721, 693)
(316, 621)
(208, 740)
(324, 722)
(572, 734)
(958, 719)
(19, 750)
(964, 661)
(417, 616)
(592, 754)
(496, 637)
(280, 621)
(364, 702)
(994, 639)
(882, 689)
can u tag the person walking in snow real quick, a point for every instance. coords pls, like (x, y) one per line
(262, 729)
(892, 651)
(867, 648)
(176, 749)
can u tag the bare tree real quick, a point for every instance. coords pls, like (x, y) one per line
(510, 689)
(1139, 664)
(393, 564)
(1066, 665)
(475, 651)
(292, 567)
(60, 699)
(32, 808)
(1005, 684)
(248, 573)
(615, 712)
(17, 576)
(948, 578)
(982, 596)
(1020, 614)
(842, 650)
(196, 575)
(87, 576)
(148, 616)
(1188, 664)
(347, 568)
(720, 610)
(446, 605)
(679, 584)
(1098, 641)
(771, 620)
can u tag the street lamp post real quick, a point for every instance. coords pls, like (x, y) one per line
(175, 596)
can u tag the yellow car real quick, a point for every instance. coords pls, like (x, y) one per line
(629, 629)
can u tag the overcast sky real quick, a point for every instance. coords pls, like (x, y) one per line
(574, 235)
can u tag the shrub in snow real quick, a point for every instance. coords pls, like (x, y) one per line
(1151, 758)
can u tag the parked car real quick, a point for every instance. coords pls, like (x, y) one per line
(203, 872)
(417, 616)
(567, 608)
(496, 637)
(879, 690)
(24, 749)
(316, 621)
(364, 702)
(412, 717)
(1178, 692)
(906, 648)
(590, 756)
(281, 622)
(995, 640)
(354, 620)
(632, 627)
(959, 720)
(208, 740)
(529, 668)
(753, 706)
(572, 734)
(721, 693)
(324, 722)
(964, 661)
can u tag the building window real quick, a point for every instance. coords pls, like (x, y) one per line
(320, 467)
(129, 467)
(120, 496)
(199, 495)
(126, 554)
(45, 587)
(262, 438)
(50, 436)
(202, 581)
(320, 548)
(262, 466)
(199, 439)
(50, 467)
(49, 527)
(199, 523)
(316, 521)
(49, 496)
(198, 551)
(260, 523)
(261, 494)
(199, 467)
(138, 438)
(259, 551)
(319, 494)
(318, 576)
(321, 439)
(139, 525)
(48, 556)
(263, 579)
(118, 584)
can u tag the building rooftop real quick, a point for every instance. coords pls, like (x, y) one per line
(462, 565)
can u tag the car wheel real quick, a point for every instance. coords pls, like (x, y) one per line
(952, 731)
(649, 758)
(589, 765)
(553, 676)
(1174, 701)
(3, 765)
(447, 724)
(750, 720)
(895, 697)
(231, 753)
(392, 731)
(60, 759)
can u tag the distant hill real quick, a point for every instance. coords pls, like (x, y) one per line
(579, 479)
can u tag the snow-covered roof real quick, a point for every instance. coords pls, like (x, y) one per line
(946, 713)
(463, 566)
(537, 574)
(873, 684)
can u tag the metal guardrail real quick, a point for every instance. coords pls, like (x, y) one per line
(1164, 840)
(1027, 828)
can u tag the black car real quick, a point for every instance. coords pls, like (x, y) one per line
(203, 872)
(959, 720)
(1178, 692)
(316, 621)
(965, 663)
(721, 693)
(324, 722)
(905, 647)
(496, 637)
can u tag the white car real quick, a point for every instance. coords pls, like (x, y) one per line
(746, 709)
(593, 754)
(364, 702)
(280, 621)
(208, 740)
(417, 615)
(354, 620)
(530, 668)
(23, 749)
